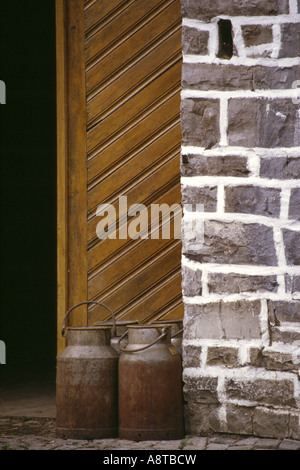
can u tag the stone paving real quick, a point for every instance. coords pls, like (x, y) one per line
(31, 433)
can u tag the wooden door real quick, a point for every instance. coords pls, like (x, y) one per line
(118, 107)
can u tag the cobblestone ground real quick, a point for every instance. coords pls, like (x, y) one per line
(25, 433)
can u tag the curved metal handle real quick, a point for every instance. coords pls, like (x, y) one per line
(89, 302)
(143, 347)
(177, 333)
(171, 322)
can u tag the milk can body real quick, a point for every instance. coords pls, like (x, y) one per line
(87, 385)
(150, 386)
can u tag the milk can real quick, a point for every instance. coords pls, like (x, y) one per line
(87, 383)
(150, 385)
(120, 329)
(176, 332)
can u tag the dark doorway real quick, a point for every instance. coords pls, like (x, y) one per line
(28, 191)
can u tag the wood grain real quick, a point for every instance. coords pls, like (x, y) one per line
(71, 163)
(61, 81)
(119, 134)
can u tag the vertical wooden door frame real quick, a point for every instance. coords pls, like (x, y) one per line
(71, 164)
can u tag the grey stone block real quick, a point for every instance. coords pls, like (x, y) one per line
(191, 356)
(223, 320)
(280, 167)
(267, 444)
(290, 40)
(253, 200)
(294, 209)
(201, 419)
(272, 360)
(291, 240)
(294, 427)
(263, 391)
(284, 336)
(219, 283)
(203, 10)
(262, 123)
(200, 122)
(200, 389)
(236, 243)
(286, 311)
(289, 444)
(191, 282)
(194, 41)
(194, 165)
(224, 356)
(237, 77)
(270, 423)
(292, 283)
(255, 35)
(239, 419)
(206, 196)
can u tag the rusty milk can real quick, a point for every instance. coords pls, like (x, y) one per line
(176, 332)
(87, 383)
(150, 385)
(120, 329)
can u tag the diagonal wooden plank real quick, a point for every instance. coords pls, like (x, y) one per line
(133, 77)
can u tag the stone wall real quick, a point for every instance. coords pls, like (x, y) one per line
(241, 165)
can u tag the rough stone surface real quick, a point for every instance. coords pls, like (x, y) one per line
(219, 283)
(270, 423)
(235, 243)
(194, 41)
(257, 34)
(292, 284)
(253, 200)
(200, 122)
(264, 403)
(292, 242)
(191, 356)
(267, 444)
(285, 336)
(200, 419)
(270, 392)
(198, 165)
(223, 320)
(284, 311)
(203, 10)
(290, 40)
(272, 360)
(294, 209)
(191, 282)
(200, 389)
(224, 356)
(239, 419)
(262, 123)
(206, 196)
(19, 433)
(232, 77)
(280, 168)
(294, 427)
(15, 435)
(289, 444)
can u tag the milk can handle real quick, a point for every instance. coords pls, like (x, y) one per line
(177, 333)
(89, 302)
(143, 347)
